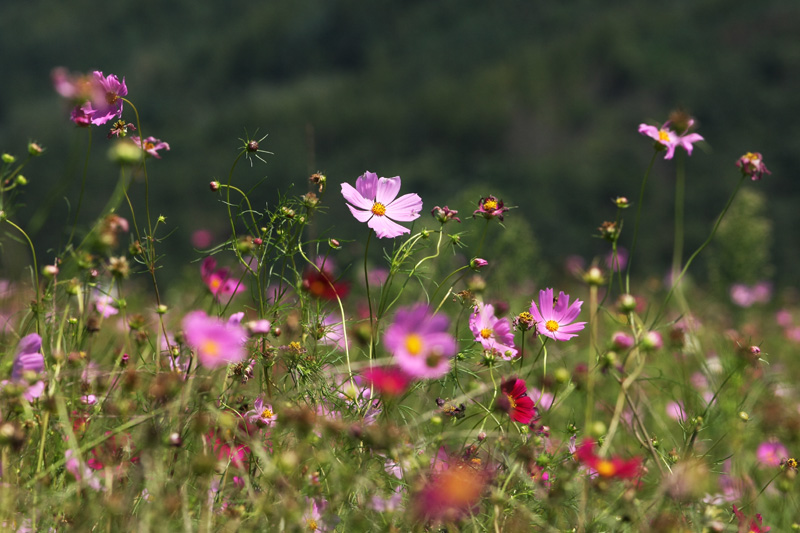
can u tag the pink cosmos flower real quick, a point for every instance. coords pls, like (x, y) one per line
(420, 342)
(554, 320)
(771, 453)
(669, 139)
(261, 414)
(151, 145)
(374, 201)
(109, 105)
(219, 281)
(28, 363)
(752, 164)
(387, 381)
(104, 304)
(490, 207)
(217, 343)
(492, 332)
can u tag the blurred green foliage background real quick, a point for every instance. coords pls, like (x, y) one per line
(536, 102)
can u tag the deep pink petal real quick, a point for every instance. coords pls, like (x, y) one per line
(387, 190)
(546, 304)
(354, 197)
(537, 316)
(561, 305)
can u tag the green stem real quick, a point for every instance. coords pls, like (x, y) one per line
(636, 224)
(35, 269)
(372, 345)
(83, 187)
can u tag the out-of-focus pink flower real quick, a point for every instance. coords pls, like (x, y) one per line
(554, 319)
(420, 343)
(783, 318)
(28, 365)
(374, 201)
(151, 145)
(489, 208)
(219, 281)
(103, 303)
(451, 494)
(621, 341)
(746, 295)
(669, 139)
(675, 411)
(752, 164)
(321, 281)
(387, 381)
(216, 343)
(621, 260)
(81, 472)
(749, 525)
(202, 238)
(493, 333)
(771, 453)
(607, 468)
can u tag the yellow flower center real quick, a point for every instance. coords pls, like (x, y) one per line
(312, 524)
(414, 344)
(149, 146)
(111, 98)
(266, 413)
(663, 136)
(486, 333)
(379, 209)
(551, 325)
(605, 468)
(210, 348)
(215, 283)
(512, 401)
(489, 205)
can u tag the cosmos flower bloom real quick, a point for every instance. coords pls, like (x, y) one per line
(374, 201)
(493, 333)
(82, 115)
(109, 105)
(387, 381)
(420, 343)
(555, 320)
(104, 304)
(228, 448)
(771, 453)
(219, 281)
(28, 364)
(321, 283)
(516, 402)
(151, 145)
(669, 139)
(215, 342)
(749, 525)
(607, 468)
(450, 494)
(752, 164)
(489, 208)
(261, 414)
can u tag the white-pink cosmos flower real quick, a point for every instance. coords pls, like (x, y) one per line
(554, 319)
(671, 140)
(374, 201)
(493, 333)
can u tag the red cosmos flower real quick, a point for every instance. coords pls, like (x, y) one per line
(516, 401)
(614, 467)
(753, 526)
(389, 381)
(322, 284)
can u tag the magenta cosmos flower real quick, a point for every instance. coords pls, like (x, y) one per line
(216, 343)
(489, 208)
(517, 403)
(261, 414)
(151, 145)
(669, 139)
(554, 320)
(420, 343)
(374, 201)
(110, 105)
(752, 164)
(492, 332)
(219, 281)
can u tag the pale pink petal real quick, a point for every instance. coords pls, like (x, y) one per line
(367, 184)
(354, 197)
(387, 190)
(361, 216)
(405, 209)
(386, 228)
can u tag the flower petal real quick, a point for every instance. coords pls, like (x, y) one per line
(367, 184)
(405, 209)
(387, 190)
(354, 197)
(361, 216)
(386, 228)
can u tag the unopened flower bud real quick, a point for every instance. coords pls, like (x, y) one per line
(597, 429)
(626, 303)
(334, 243)
(214, 186)
(252, 146)
(161, 309)
(8, 158)
(744, 416)
(755, 350)
(622, 202)
(125, 152)
(73, 286)
(561, 375)
(609, 231)
(21, 180)
(594, 276)
(175, 440)
(477, 263)
(50, 271)
(652, 341)
(35, 149)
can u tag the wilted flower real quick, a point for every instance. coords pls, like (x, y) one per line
(554, 320)
(490, 207)
(516, 401)
(217, 343)
(374, 201)
(752, 164)
(493, 333)
(120, 128)
(669, 140)
(445, 214)
(151, 145)
(420, 343)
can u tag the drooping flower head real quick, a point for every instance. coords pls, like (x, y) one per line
(554, 319)
(490, 207)
(493, 333)
(219, 281)
(151, 145)
(445, 214)
(420, 343)
(607, 468)
(374, 201)
(217, 343)
(516, 402)
(669, 139)
(752, 164)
